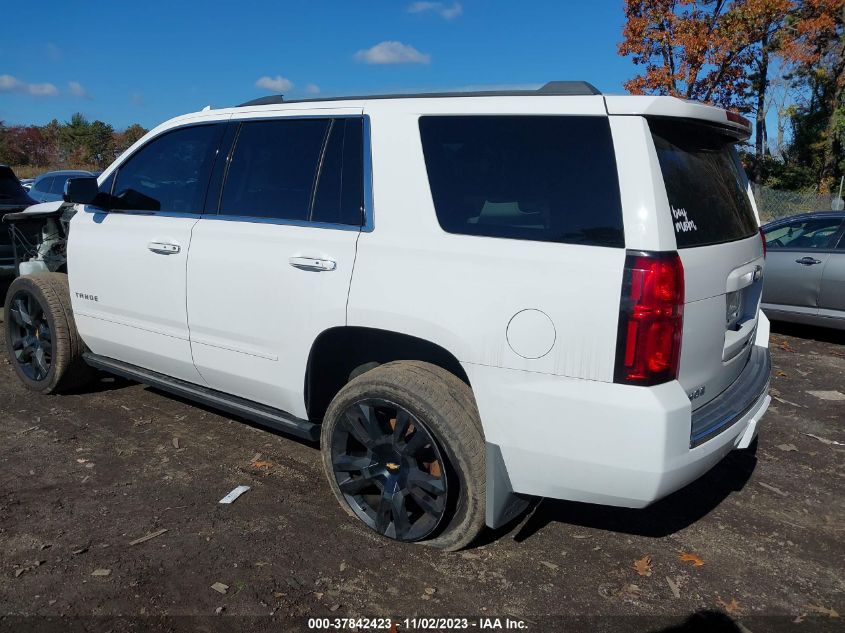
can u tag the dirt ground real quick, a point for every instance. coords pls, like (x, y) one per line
(82, 476)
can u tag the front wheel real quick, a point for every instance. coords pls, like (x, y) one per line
(404, 453)
(41, 338)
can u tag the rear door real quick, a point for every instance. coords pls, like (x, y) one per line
(271, 262)
(128, 261)
(716, 232)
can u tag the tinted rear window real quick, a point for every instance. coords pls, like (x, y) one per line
(704, 183)
(545, 178)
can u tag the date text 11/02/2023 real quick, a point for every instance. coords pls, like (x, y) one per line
(418, 624)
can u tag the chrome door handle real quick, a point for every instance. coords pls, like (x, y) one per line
(163, 248)
(807, 261)
(313, 264)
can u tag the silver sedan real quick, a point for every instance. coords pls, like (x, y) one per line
(805, 269)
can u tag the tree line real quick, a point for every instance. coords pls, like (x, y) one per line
(74, 144)
(785, 57)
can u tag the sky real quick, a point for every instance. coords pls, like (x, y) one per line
(144, 62)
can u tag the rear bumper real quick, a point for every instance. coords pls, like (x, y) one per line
(605, 443)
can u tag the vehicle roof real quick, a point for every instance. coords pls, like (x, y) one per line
(807, 216)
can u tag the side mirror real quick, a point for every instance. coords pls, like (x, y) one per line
(82, 190)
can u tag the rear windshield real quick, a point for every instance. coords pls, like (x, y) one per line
(544, 178)
(704, 182)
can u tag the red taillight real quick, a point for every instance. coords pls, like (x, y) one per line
(763, 237)
(651, 319)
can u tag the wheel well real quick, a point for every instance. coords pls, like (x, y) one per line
(337, 352)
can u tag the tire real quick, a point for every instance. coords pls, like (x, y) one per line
(423, 396)
(46, 297)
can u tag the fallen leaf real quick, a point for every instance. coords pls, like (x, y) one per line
(823, 610)
(643, 566)
(318, 595)
(430, 591)
(175, 442)
(101, 572)
(782, 374)
(81, 460)
(546, 563)
(219, 587)
(673, 586)
(334, 607)
(692, 558)
(787, 447)
(262, 464)
(731, 608)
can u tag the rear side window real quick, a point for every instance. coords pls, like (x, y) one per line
(168, 174)
(307, 170)
(339, 198)
(273, 169)
(44, 184)
(544, 178)
(804, 234)
(704, 182)
(58, 185)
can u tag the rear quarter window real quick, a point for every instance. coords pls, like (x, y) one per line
(543, 178)
(704, 182)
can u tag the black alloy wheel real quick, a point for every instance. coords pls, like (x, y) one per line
(389, 469)
(31, 337)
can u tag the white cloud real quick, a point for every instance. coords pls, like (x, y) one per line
(274, 84)
(312, 89)
(446, 12)
(75, 88)
(391, 52)
(13, 84)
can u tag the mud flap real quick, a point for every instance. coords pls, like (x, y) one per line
(503, 504)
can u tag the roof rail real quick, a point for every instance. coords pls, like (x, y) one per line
(552, 88)
(269, 100)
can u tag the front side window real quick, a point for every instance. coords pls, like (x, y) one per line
(168, 174)
(544, 178)
(807, 234)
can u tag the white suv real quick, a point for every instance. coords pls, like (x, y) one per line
(470, 300)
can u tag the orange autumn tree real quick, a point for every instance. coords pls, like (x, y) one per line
(716, 51)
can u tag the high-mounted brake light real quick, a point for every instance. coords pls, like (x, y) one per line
(651, 319)
(763, 237)
(735, 117)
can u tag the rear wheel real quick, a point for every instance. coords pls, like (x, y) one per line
(404, 453)
(41, 338)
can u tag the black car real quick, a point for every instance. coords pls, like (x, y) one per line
(13, 198)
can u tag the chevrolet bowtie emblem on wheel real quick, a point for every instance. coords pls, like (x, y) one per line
(392, 466)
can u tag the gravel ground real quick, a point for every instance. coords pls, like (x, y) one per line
(82, 476)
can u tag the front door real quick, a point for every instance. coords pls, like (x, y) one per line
(128, 262)
(797, 254)
(272, 269)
